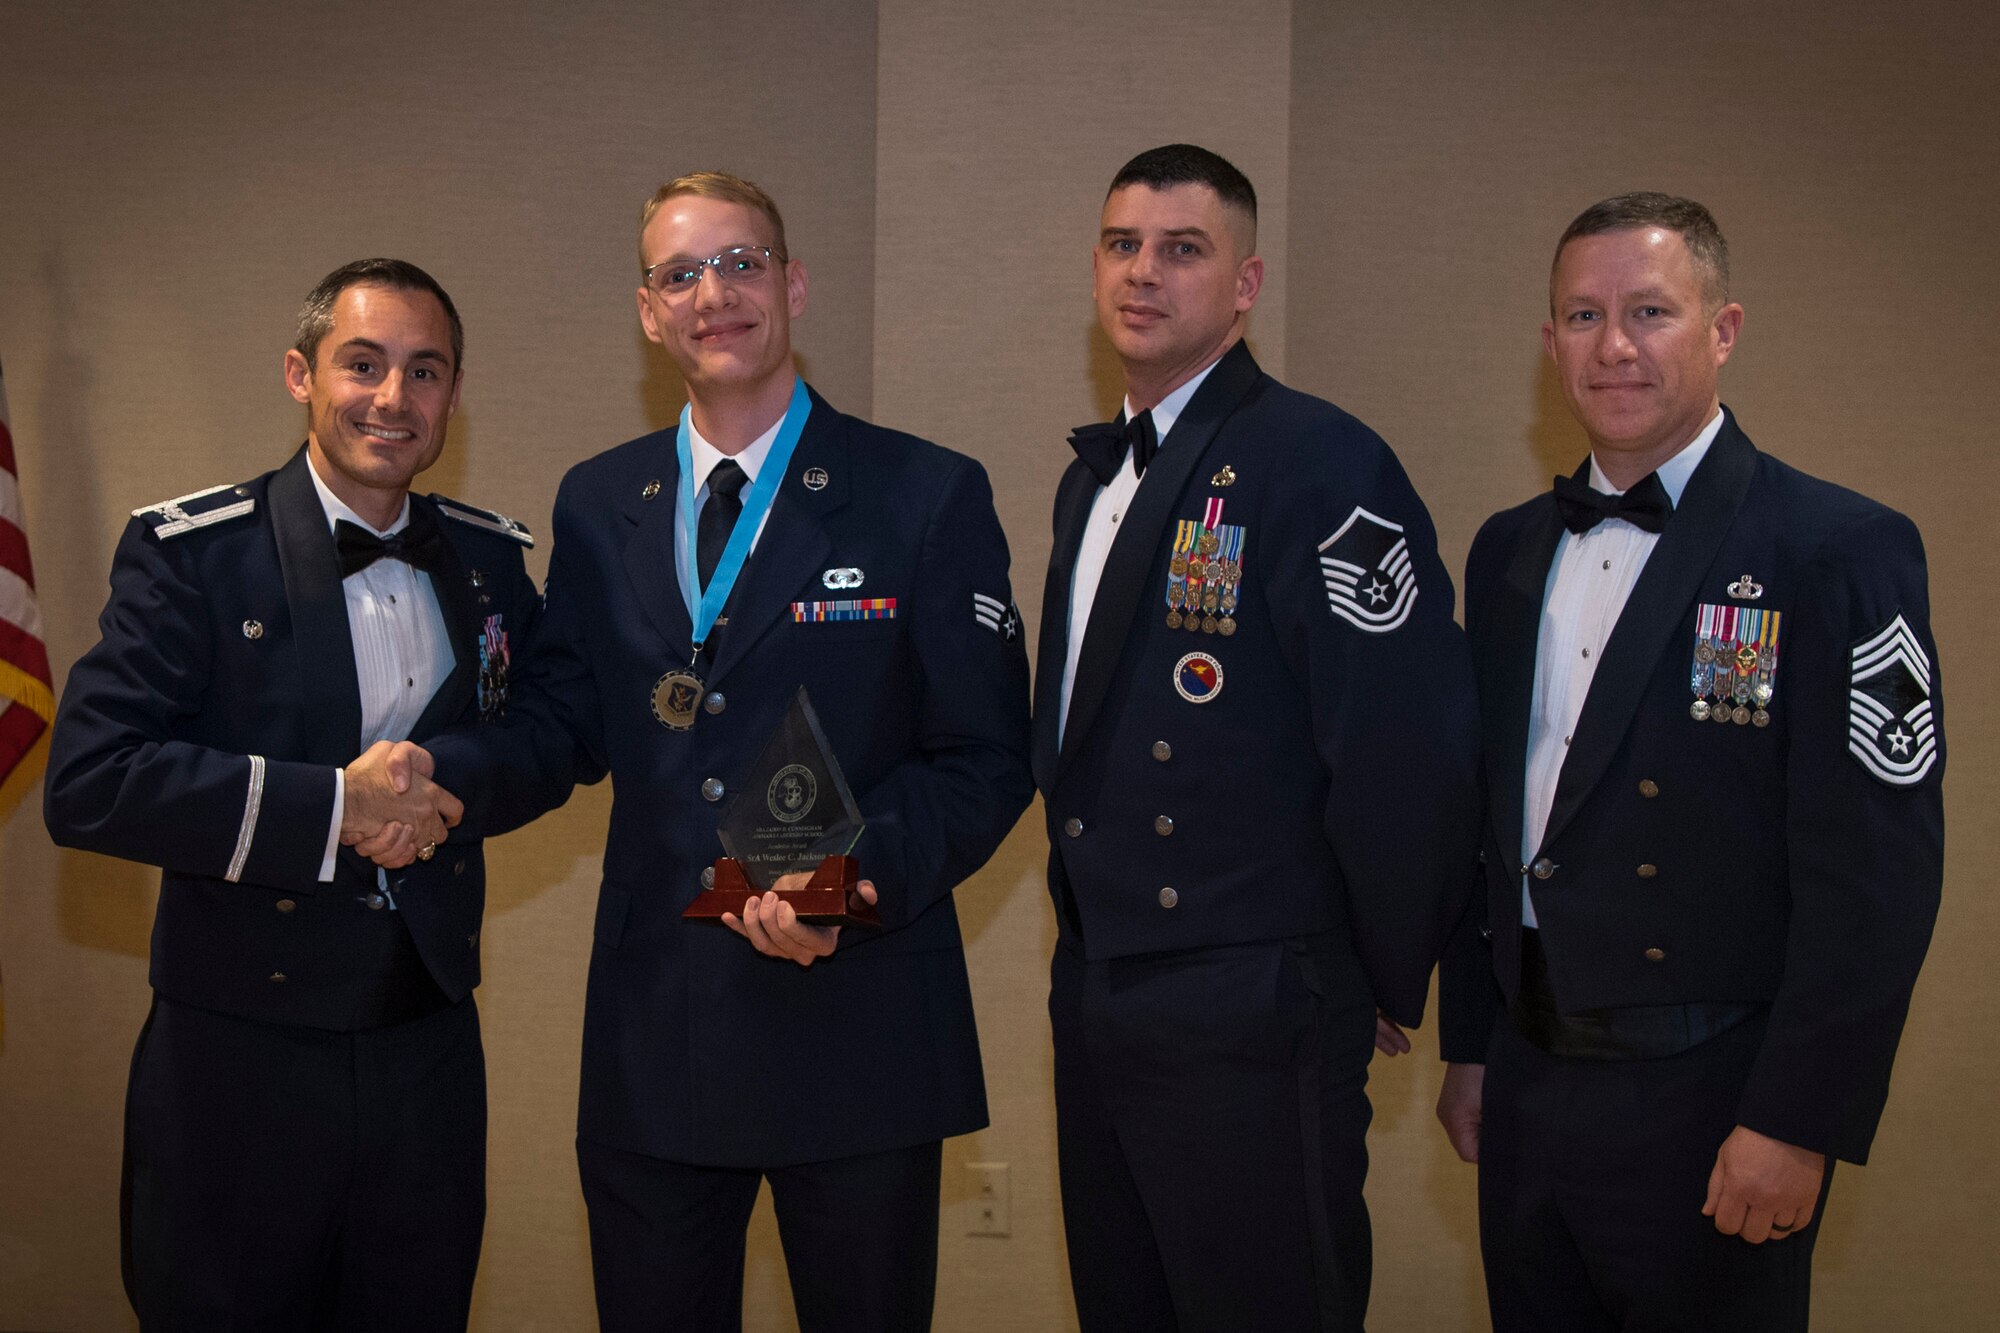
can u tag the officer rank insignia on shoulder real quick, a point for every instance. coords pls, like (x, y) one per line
(1370, 581)
(1205, 573)
(996, 615)
(1735, 673)
(170, 518)
(509, 528)
(1889, 726)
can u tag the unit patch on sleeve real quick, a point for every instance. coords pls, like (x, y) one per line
(1889, 727)
(1370, 581)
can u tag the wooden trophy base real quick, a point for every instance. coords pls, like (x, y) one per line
(828, 899)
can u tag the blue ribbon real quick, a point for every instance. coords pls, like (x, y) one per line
(756, 504)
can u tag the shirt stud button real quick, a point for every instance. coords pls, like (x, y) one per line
(1168, 897)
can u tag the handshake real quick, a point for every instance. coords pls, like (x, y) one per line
(392, 812)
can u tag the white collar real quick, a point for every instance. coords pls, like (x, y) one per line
(1673, 473)
(1168, 410)
(703, 456)
(338, 509)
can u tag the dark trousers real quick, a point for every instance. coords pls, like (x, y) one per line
(1592, 1175)
(1211, 1117)
(290, 1178)
(667, 1240)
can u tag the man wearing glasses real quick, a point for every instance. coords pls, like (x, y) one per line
(700, 577)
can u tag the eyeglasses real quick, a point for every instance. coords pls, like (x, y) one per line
(738, 265)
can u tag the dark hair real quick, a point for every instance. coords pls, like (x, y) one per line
(316, 315)
(1647, 208)
(1186, 164)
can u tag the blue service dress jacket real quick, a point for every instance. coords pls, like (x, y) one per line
(1794, 863)
(1311, 765)
(879, 583)
(202, 732)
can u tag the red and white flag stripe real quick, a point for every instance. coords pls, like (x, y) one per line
(27, 703)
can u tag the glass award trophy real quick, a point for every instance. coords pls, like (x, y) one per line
(793, 813)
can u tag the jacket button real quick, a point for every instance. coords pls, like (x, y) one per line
(458, 866)
(1168, 897)
(1542, 868)
(1648, 788)
(286, 904)
(277, 976)
(708, 877)
(715, 703)
(1648, 870)
(1073, 827)
(1162, 751)
(253, 629)
(1163, 825)
(1486, 934)
(1656, 955)
(711, 789)
(376, 902)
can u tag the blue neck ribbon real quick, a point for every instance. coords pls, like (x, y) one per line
(756, 504)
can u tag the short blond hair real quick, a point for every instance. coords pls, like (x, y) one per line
(714, 185)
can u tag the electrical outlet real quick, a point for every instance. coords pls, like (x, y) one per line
(990, 1212)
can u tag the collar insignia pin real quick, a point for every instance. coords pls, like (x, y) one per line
(815, 479)
(649, 490)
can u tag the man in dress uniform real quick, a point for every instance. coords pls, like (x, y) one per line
(306, 1122)
(1714, 741)
(1255, 737)
(699, 578)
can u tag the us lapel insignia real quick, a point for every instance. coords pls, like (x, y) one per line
(1735, 671)
(1889, 724)
(842, 578)
(815, 479)
(1226, 477)
(1370, 581)
(494, 660)
(1746, 589)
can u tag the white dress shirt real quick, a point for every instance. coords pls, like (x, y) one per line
(1589, 581)
(401, 651)
(703, 457)
(1101, 529)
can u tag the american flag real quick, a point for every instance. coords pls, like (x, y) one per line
(27, 704)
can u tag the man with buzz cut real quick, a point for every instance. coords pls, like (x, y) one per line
(1714, 846)
(305, 1131)
(700, 578)
(1254, 734)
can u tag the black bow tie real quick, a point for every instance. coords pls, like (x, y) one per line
(1645, 506)
(1102, 445)
(419, 545)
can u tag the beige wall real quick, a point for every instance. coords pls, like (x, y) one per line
(172, 180)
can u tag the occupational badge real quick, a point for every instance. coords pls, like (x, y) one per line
(1889, 724)
(1198, 678)
(494, 659)
(1735, 671)
(848, 577)
(1370, 580)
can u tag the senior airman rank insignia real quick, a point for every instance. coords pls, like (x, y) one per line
(1735, 671)
(1889, 724)
(1370, 580)
(494, 659)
